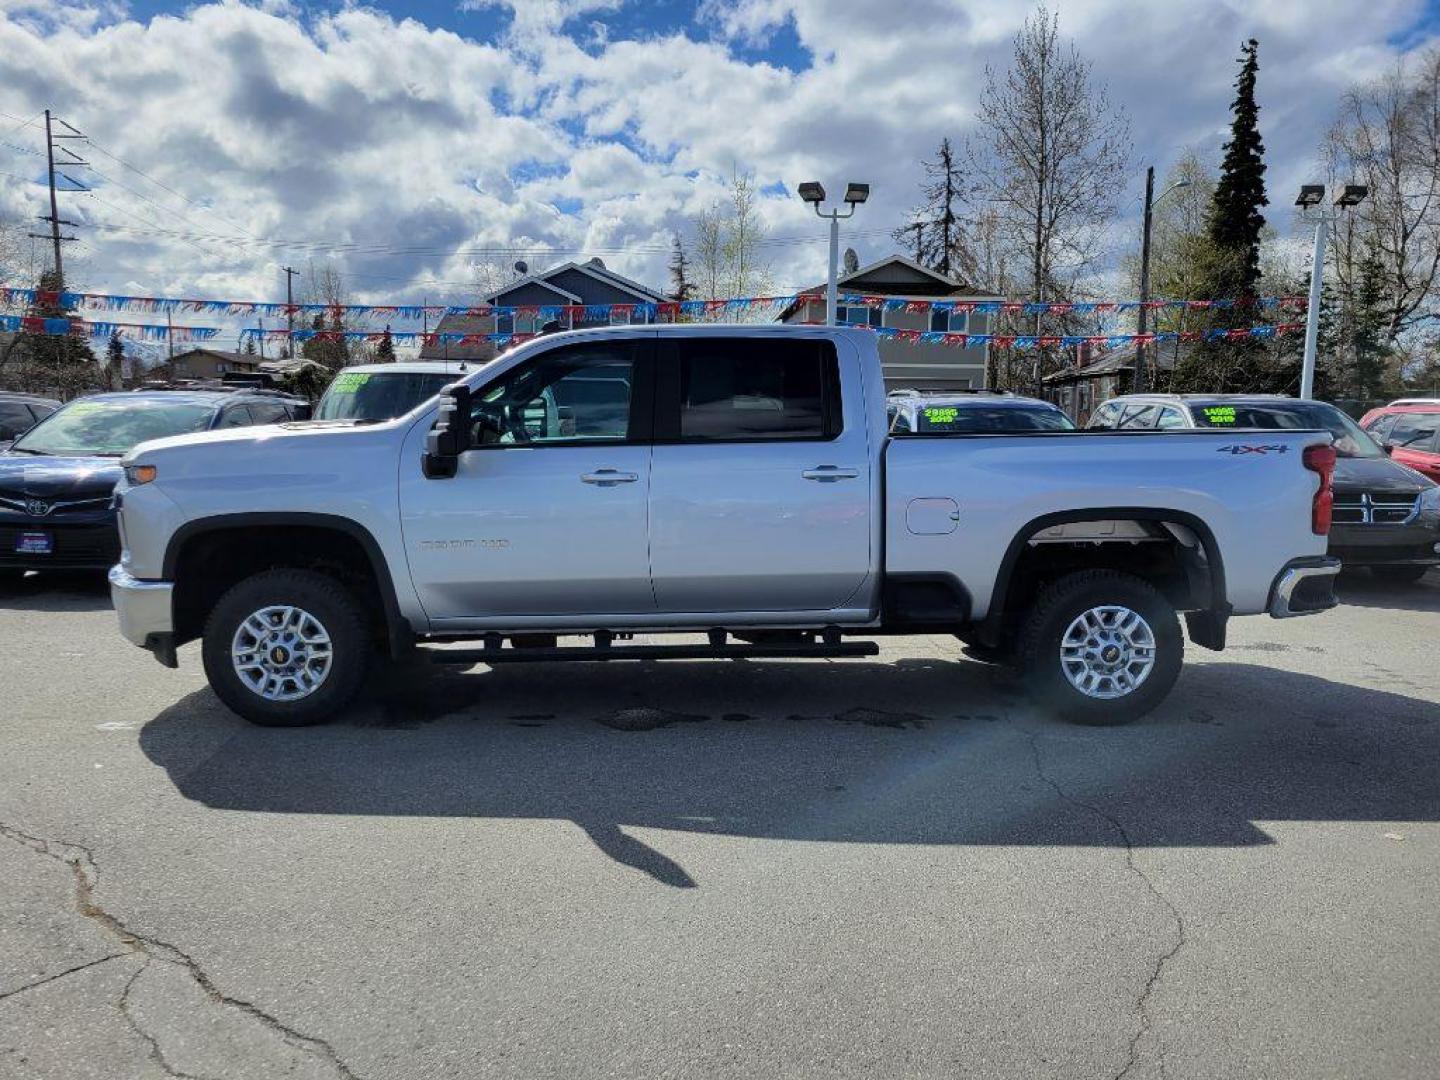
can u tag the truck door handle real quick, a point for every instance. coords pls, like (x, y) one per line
(608, 477)
(827, 474)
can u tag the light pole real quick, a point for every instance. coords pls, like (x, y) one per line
(813, 193)
(1142, 320)
(1310, 198)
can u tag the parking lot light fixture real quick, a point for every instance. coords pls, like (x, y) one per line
(813, 193)
(1310, 198)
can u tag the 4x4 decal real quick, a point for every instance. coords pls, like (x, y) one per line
(1253, 448)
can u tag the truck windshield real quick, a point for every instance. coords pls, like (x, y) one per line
(993, 419)
(379, 395)
(1350, 440)
(110, 427)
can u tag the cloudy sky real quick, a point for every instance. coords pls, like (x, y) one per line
(406, 141)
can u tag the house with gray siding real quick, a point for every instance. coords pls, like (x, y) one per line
(909, 364)
(568, 285)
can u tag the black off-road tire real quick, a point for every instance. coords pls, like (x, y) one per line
(1057, 606)
(1399, 575)
(329, 601)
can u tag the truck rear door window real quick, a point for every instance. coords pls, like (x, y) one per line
(748, 389)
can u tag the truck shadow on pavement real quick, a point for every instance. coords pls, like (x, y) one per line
(922, 751)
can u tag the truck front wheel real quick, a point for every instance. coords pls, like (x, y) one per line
(286, 648)
(1101, 647)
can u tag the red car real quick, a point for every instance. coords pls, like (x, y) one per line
(1409, 430)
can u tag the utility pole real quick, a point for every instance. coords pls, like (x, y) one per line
(54, 217)
(170, 336)
(1142, 319)
(289, 310)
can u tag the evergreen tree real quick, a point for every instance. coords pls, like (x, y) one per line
(1235, 217)
(934, 233)
(1229, 264)
(385, 351)
(1369, 337)
(53, 363)
(681, 288)
(115, 361)
(250, 345)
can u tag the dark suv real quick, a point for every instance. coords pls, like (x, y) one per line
(56, 479)
(1387, 516)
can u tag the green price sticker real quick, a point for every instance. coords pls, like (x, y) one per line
(941, 415)
(348, 383)
(1220, 414)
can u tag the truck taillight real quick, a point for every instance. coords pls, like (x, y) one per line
(1321, 460)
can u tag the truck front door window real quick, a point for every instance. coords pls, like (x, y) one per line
(565, 396)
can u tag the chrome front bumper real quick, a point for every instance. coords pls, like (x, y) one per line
(1305, 587)
(143, 608)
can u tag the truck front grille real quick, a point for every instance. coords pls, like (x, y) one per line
(1368, 509)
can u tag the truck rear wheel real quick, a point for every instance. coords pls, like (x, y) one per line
(286, 648)
(1101, 647)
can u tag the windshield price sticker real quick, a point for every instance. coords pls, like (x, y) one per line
(1220, 414)
(348, 383)
(941, 415)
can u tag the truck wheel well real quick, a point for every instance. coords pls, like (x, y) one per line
(209, 563)
(1175, 553)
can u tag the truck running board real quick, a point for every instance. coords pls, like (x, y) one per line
(776, 651)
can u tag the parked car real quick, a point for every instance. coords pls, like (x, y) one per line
(748, 492)
(972, 414)
(20, 412)
(370, 392)
(1387, 515)
(56, 479)
(1409, 430)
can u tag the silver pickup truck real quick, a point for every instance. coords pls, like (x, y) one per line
(736, 484)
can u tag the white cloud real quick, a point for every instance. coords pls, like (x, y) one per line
(359, 128)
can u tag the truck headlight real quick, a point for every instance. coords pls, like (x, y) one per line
(139, 474)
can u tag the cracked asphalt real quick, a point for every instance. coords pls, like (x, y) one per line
(886, 867)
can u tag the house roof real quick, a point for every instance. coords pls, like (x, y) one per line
(1161, 357)
(935, 285)
(223, 354)
(540, 280)
(599, 273)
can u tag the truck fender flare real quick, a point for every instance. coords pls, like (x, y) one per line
(1219, 602)
(397, 628)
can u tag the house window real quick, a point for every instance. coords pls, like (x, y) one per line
(948, 322)
(857, 315)
(505, 324)
(620, 317)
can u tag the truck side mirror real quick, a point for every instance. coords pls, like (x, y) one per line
(450, 437)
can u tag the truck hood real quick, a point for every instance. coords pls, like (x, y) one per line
(1354, 476)
(242, 443)
(58, 477)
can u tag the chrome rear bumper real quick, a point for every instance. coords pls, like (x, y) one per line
(1304, 587)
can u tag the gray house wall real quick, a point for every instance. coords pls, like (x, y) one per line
(918, 364)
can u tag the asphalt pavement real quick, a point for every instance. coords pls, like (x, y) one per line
(889, 867)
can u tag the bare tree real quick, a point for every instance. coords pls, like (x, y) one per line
(1050, 156)
(1388, 137)
(744, 231)
(710, 253)
(727, 243)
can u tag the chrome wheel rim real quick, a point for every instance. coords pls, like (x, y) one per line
(281, 653)
(1107, 652)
